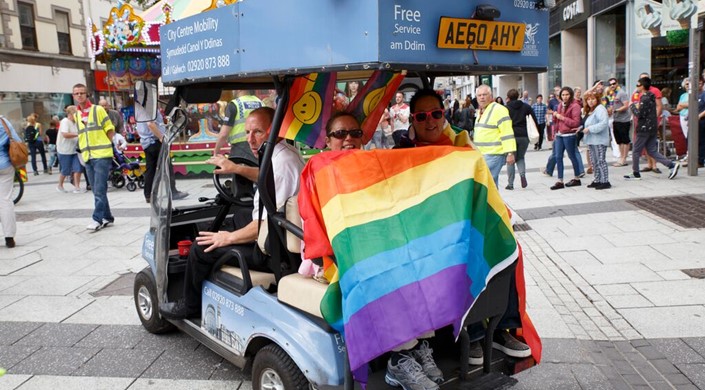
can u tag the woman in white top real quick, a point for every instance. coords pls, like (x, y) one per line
(66, 144)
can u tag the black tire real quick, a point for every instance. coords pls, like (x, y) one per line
(273, 364)
(131, 186)
(17, 188)
(118, 181)
(140, 181)
(147, 304)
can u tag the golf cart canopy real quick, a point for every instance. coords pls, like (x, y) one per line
(251, 41)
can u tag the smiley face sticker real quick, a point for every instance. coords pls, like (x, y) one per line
(308, 108)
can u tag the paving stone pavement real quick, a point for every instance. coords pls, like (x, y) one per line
(605, 289)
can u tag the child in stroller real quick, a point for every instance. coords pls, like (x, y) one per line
(125, 171)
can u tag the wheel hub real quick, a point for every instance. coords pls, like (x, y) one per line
(144, 301)
(270, 380)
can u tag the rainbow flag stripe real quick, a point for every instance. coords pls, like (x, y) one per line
(416, 238)
(310, 105)
(369, 104)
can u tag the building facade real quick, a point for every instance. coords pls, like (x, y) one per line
(42, 55)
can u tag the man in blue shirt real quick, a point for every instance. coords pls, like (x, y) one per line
(539, 109)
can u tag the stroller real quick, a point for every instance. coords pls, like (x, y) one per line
(125, 171)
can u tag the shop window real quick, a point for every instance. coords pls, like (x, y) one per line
(610, 45)
(63, 32)
(27, 29)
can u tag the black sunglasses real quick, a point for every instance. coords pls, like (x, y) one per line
(613, 84)
(342, 134)
(423, 115)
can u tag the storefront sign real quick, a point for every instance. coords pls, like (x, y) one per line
(457, 33)
(573, 13)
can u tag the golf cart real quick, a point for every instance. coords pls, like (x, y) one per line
(271, 322)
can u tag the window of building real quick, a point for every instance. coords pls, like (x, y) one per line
(611, 45)
(27, 30)
(63, 32)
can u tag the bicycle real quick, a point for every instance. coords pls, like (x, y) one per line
(17, 188)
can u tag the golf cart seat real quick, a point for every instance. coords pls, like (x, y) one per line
(264, 279)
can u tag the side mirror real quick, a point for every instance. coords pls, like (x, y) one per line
(146, 101)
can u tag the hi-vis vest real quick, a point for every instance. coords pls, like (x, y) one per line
(93, 136)
(245, 105)
(493, 131)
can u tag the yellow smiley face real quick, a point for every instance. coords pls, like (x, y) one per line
(372, 100)
(308, 108)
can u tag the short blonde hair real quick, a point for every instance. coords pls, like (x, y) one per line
(71, 110)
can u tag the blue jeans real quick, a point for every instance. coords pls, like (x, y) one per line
(567, 144)
(495, 162)
(551, 163)
(97, 170)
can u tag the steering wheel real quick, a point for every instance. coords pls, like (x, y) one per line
(237, 190)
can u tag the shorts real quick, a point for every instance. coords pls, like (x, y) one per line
(68, 164)
(621, 132)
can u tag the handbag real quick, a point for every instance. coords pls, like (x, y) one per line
(18, 152)
(532, 130)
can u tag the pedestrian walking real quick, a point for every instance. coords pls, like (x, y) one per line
(518, 112)
(50, 139)
(7, 178)
(66, 145)
(35, 142)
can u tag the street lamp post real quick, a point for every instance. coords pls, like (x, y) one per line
(694, 75)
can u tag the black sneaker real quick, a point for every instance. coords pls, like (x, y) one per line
(178, 310)
(593, 184)
(477, 355)
(603, 186)
(558, 186)
(505, 342)
(9, 242)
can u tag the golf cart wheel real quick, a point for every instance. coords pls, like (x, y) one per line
(131, 186)
(140, 181)
(118, 181)
(147, 304)
(273, 369)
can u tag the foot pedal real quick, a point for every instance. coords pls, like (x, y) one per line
(493, 380)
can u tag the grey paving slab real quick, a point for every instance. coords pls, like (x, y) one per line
(10, 332)
(226, 371)
(666, 322)
(623, 254)
(564, 351)
(49, 285)
(616, 289)
(667, 264)
(14, 264)
(113, 336)
(52, 264)
(617, 273)
(10, 355)
(174, 364)
(580, 258)
(170, 384)
(43, 382)
(54, 361)
(589, 377)
(697, 344)
(577, 243)
(627, 301)
(174, 340)
(694, 372)
(673, 292)
(118, 363)
(640, 238)
(7, 281)
(57, 335)
(549, 376)
(113, 310)
(10, 382)
(43, 308)
(7, 300)
(681, 250)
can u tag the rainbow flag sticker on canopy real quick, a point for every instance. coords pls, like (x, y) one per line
(416, 238)
(310, 105)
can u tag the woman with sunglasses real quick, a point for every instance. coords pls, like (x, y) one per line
(343, 132)
(567, 122)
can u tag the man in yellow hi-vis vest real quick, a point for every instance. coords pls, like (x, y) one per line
(95, 132)
(233, 129)
(494, 135)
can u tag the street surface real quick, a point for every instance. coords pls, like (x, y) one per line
(605, 289)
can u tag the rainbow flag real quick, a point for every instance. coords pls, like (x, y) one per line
(369, 104)
(310, 105)
(416, 238)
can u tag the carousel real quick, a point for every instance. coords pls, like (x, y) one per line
(128, 45)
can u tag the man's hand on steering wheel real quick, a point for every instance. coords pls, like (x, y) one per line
(225, 166)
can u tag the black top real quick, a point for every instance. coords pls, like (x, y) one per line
(52, 133)
(518, 111)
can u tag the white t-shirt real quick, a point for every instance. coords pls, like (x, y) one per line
(399, 112)
(286, 165)
(66, 145)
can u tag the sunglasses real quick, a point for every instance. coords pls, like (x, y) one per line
(342, 134)
(613, 84)
(423, 115)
